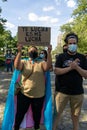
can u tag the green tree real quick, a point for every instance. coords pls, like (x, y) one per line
(2, 22)
(81, 9)
(79, 25)
(7, 41)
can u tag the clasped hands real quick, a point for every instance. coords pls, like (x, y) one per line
(74, 64)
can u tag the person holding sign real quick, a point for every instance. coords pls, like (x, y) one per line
(33, 85)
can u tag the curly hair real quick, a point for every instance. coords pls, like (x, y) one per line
(70, 35)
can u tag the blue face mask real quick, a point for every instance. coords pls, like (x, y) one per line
(42, 56)
(72, 48)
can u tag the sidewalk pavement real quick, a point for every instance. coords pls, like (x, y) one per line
(65, 123)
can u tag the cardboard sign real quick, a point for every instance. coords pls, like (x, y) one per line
(38, 36)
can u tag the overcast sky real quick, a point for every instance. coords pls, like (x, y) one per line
(48, 13)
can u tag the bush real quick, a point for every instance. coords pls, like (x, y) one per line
(2, 61)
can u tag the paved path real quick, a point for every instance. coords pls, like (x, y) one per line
(66, 123)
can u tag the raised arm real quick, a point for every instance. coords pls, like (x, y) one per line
(17, 63)
(46, 65)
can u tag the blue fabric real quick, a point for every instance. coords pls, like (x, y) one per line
(48, 103)
(8, 118)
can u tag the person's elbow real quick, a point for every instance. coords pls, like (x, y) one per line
(46, 67)
(85, 76)
(55, 70)
(17, 66)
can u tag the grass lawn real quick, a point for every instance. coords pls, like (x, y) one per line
(2, 68)
(2, 62)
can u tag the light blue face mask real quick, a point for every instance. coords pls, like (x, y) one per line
(72, 48)
(42, 56)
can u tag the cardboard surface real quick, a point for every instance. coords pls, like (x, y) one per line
(38, 36)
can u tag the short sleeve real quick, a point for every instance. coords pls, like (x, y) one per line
(58, 62)
(85, 63)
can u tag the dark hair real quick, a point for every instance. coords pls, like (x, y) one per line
(34, 47)
(70, 35)
(65, 45)
(45, 52)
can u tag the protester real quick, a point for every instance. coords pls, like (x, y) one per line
(70, 67)
(65, 48)
(33, 83)
(43, 55)
(9, 61)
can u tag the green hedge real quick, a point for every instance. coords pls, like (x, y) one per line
(2, 60)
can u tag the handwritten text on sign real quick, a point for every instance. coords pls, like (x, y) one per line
(34, 35)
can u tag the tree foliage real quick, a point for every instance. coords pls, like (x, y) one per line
(79, 25)
(81, 9)
(6, 39)
(2, 22)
